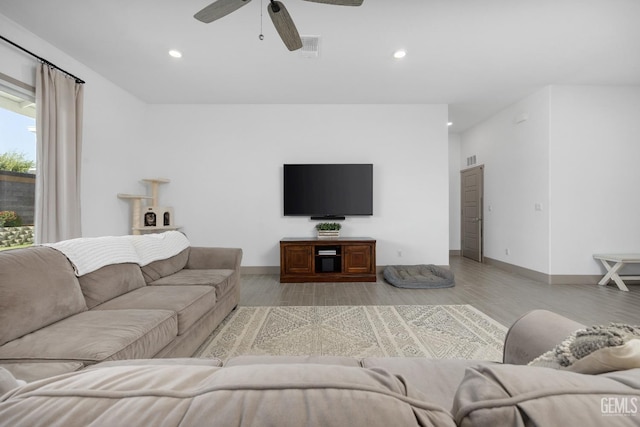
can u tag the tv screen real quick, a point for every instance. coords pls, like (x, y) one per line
(328, 190)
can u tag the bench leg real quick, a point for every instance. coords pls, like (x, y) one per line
(612, 274)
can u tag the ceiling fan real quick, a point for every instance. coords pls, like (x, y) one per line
(278, 13)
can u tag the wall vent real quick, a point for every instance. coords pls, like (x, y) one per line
(310, 46)
(471, 160)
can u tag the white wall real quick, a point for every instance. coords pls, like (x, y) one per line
(577, 155)
(114, 139)
(225, 165)
(595, 175)
(455, 165)
(516, 178)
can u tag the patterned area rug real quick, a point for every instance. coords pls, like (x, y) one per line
(432, 331)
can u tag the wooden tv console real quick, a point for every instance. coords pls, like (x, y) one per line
(346, 259)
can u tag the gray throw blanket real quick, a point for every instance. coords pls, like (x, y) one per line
(584, 342)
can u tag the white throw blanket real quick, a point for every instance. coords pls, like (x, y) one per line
(154, 247)
(89, 254)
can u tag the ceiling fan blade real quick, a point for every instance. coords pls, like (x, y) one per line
(284, 25)
(219, 9)
(339, 2)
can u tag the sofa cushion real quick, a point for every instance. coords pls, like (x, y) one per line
(109, 282)
(97, 335)
(220, 279)
(258, 395)
(509, 395)
(37, 287)
(165, 267)
(189, 302)
(205, 258)
(33, 371)
(437, 378)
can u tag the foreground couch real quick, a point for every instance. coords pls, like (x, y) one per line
(335, 391)
(85, 301)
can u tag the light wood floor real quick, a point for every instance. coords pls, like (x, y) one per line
(502, 295)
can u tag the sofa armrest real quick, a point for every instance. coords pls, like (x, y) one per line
(214, 258)
(535, 333)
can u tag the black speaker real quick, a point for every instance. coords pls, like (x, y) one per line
(328, 265)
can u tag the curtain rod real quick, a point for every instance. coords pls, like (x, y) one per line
(41, 59)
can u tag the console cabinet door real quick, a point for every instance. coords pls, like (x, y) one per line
(297, 259)
(358, 259)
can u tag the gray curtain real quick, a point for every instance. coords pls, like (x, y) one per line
(58, 155)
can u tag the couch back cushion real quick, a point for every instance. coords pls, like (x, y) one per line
(189, 395)
(165, 267)
(37, 287)
(510, 395)
(109, 282)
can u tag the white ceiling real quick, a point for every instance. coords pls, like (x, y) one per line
(476, 55)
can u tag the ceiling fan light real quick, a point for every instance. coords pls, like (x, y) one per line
(400, 53)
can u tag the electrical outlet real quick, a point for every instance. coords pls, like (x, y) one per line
(399, 253)
(507, 251)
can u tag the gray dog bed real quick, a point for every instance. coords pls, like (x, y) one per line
(418, 276)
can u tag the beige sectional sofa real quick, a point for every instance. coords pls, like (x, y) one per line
(53, 321)
(335, 391)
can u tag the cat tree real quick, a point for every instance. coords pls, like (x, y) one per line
(150, 218)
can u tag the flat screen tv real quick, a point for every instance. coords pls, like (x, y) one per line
(325, 191)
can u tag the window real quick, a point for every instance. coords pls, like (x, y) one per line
(17, 164)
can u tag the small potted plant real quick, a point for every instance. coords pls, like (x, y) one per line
(328, 230)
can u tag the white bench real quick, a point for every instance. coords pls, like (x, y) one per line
(612, 271)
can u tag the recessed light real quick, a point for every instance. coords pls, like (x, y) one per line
(449, 123)
(175, 53)
(399, 54)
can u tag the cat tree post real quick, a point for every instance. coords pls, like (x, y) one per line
(154, 188)
(136, 210)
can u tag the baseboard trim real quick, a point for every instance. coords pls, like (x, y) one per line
(555, 279)
(551, 279)
(455, 252)
(380, 268)
(574, 279)
(267, 269)
(516, 269)
(248, 270)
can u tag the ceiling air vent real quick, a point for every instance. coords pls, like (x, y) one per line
(310, 46)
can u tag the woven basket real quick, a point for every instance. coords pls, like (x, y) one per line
(328, 234)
